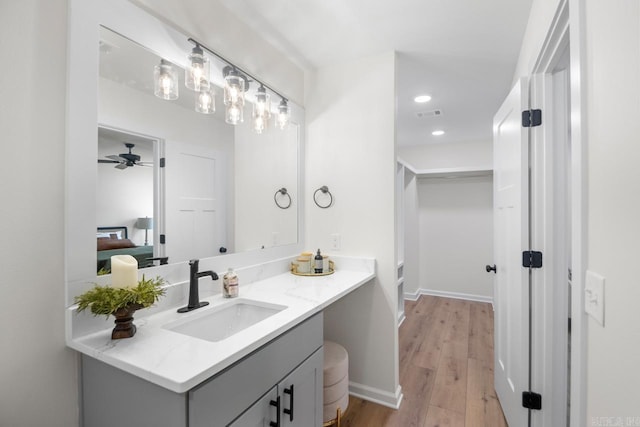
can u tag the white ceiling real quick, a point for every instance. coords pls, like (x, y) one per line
(461, 52)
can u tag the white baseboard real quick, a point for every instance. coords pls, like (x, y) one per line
(412, 296)
(401, 319)
(375, 395)
(457, 295)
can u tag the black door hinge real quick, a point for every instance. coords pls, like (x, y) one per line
(163, 239)
(532, 259)
(531, 400)
(162, 162)
(531, 118)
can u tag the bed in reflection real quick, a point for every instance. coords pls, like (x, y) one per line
(115, 241)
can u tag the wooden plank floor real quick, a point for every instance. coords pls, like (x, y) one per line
(446, 369)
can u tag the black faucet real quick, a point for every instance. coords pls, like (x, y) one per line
(194, 275)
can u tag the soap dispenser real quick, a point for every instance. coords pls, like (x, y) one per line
(230, 284)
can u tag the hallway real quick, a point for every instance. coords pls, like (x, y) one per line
(446, 369)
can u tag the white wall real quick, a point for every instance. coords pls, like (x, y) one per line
(456, 235)
(472, 154)
(613, 112)
(38, 385)
(267, 162)
(353, 153)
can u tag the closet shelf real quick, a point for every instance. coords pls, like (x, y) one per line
(454, 172)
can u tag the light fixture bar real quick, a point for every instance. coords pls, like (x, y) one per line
(225, 60)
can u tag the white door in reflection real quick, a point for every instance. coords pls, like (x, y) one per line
(194, 202)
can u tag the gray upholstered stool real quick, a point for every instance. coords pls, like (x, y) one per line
(336, 383)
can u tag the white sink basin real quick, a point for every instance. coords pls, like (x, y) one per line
(217, 323)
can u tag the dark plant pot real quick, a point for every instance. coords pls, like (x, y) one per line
(124, 322)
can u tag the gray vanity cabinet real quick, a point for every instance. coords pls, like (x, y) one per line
(260, 414)
(288, 368)
(301, 394)
(297, 398)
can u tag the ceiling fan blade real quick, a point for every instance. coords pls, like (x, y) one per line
(107, 161)
(114, 157)
(144, 163)
(122, 166)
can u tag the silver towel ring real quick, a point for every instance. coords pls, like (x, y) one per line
(325, 190)
(284, 192)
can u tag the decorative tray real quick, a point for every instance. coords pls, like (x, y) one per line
(331, 271)
(294, 270)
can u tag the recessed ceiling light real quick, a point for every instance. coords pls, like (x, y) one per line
(437, 132)
(422, 99)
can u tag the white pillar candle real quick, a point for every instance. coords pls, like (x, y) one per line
(124, 271)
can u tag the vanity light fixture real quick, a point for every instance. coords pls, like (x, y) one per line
(165, 80)
(205, 100)
(261, 110)
(235, 85)
(437, 133)
(282, 118)
(198, 69)
(421, 99)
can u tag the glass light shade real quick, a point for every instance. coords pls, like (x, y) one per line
(234, 114)
(260, 124)
(198, 69)
(165, 79)
(261, 110)
(205, 100)
(282, 118)
(234, 87)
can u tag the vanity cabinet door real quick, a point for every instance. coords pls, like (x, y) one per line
(260, 414)
(301, 394)
(219, 400)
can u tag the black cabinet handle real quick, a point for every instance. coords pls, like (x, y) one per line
(289, 412)
(490, 268)
(276, 403)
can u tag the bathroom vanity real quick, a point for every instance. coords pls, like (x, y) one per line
(281, 382)
(252, 360)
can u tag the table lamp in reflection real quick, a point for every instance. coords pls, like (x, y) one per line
(145, 224)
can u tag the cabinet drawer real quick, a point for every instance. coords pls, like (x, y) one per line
(217, 401)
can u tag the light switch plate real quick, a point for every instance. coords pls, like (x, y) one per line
(594, 296)
(335, 242)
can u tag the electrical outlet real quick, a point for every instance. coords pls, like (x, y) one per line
(594, 296)
(335, 242)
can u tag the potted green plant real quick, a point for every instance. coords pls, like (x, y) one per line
(121, 302)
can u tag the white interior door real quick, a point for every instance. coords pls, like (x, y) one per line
(194, 202)
(511, 238)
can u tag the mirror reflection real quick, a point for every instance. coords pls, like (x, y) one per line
(175, 183)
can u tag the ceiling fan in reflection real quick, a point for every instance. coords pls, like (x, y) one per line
(125, 160)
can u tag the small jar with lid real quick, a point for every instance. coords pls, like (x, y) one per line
(230, 284)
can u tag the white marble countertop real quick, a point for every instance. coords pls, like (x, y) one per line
(179, 362)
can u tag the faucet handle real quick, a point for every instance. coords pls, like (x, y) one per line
(194, 262)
